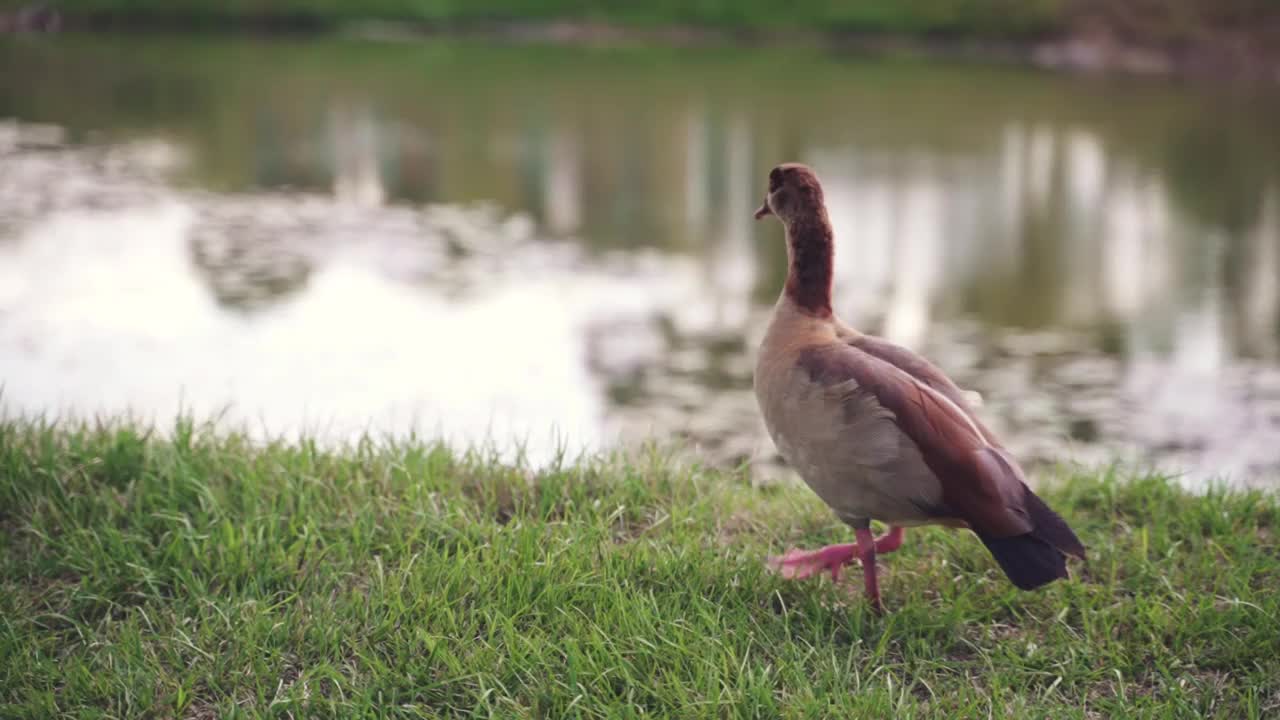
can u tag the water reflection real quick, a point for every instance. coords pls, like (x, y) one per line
(531, 244)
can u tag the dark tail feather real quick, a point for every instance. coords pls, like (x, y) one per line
(1038, 557)
(1050, 527)
(1028, 561)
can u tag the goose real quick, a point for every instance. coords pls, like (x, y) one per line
(879, 432)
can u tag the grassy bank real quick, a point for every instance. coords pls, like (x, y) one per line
(1219, 38)
(909, 16)
(1132, 20)
(203, 576)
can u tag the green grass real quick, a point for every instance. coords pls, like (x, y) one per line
(1153, 21)
(202, 576)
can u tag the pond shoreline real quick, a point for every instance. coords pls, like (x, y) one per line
(1084, 46)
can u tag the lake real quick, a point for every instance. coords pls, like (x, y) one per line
(542, 249)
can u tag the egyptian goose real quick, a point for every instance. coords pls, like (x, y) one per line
(878, 432)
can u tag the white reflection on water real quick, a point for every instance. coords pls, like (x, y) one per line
(354, 143)
(563, 200)
(104, 314)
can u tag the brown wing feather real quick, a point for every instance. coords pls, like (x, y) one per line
(924, 371)
(979, 485)
(910, 363)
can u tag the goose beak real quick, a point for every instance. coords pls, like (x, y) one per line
(764, 210)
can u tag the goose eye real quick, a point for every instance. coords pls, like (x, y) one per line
(775, 179)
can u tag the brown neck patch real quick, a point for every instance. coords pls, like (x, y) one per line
(811, 252)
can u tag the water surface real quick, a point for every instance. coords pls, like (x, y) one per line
(536, 247)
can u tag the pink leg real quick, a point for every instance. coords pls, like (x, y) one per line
(797, 564)
(891, 540)
(867, 554)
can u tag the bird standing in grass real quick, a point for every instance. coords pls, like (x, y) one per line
(878, 432)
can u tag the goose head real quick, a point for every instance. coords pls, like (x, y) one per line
(794, 193)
